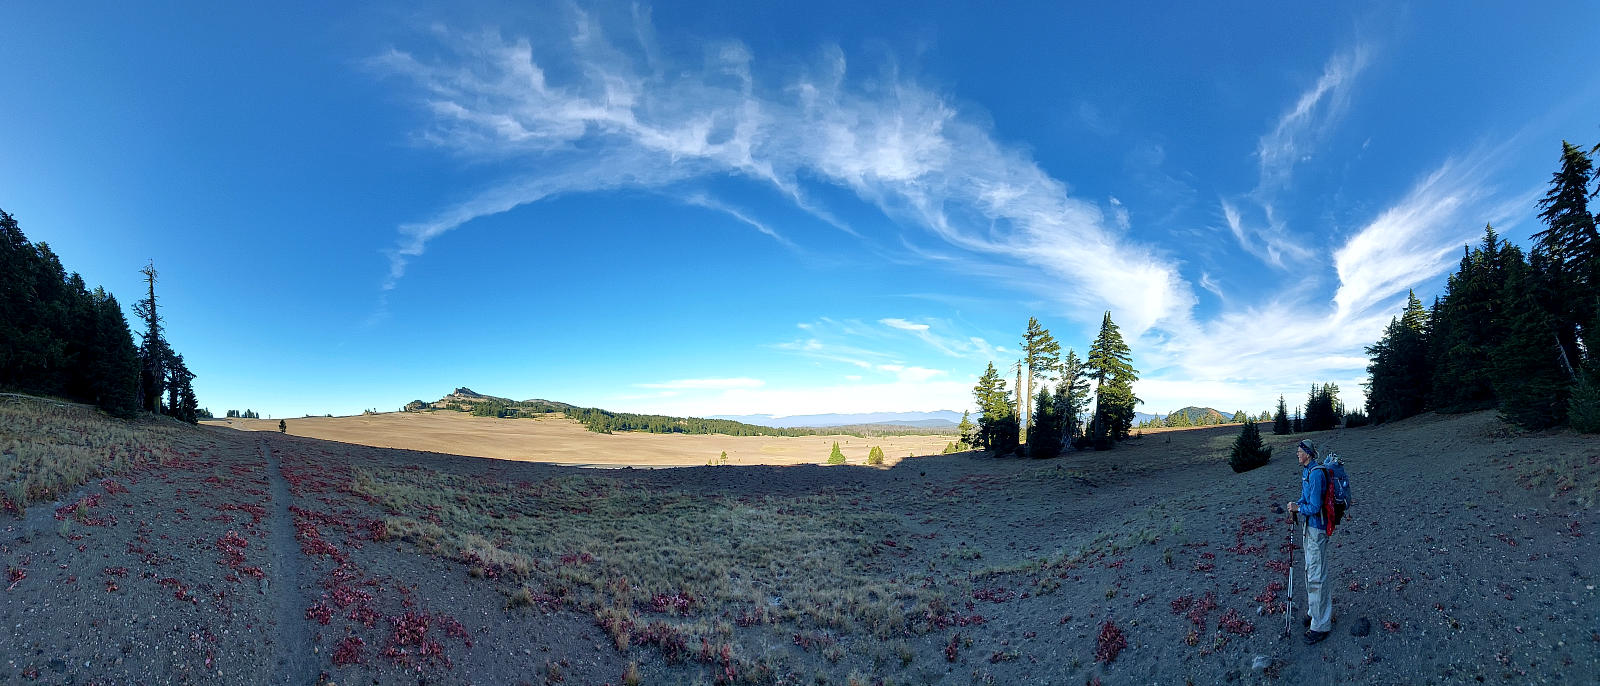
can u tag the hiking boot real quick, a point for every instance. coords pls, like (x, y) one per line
(1306, 622)
(1315, 637)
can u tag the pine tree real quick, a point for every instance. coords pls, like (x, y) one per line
(1239, 417)
(283, 428)
(875, 456)
(1322, 407)
(1572, 243)
(1583, 408)
(1073, 395)
(1280, 421)
(1530, 380)
(836, 456)
(965, 429)
(1399, 378)
(1041, 354)
(1046, 429)
(1466, 324)
(1110, 365)
(997, 420)
(116, 367)
(1248, 451)
(181, 402)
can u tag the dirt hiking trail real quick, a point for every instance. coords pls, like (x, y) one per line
(294, 659)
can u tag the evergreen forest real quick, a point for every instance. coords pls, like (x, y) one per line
(62, 339)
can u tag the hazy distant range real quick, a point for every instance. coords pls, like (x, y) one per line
(941, 419)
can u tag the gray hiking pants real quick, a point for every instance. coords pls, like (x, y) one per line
(1319, 595)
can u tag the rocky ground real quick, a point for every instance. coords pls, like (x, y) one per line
(263, 558)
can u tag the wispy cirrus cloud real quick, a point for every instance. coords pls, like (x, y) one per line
(1282, 345)
(1300, 129)
(1293, 140)
(1421, 236)
(588, 114)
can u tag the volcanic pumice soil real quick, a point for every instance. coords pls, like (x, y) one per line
(256, 557)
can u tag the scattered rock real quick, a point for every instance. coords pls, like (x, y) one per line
(1277, 509)
(1361, 628)
(1261, 664)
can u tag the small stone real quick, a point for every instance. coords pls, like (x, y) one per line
(1361, 628)
(1261, 664)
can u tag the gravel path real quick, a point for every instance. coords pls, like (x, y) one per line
(291, 636)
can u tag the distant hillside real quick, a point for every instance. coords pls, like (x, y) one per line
(1200, 416)
(942, 419)
(606, 421)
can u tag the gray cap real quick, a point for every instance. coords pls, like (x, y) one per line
(1309, 447)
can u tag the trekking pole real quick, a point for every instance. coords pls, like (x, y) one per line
(1288, 610)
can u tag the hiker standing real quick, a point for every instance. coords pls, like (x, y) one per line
(1314, 538)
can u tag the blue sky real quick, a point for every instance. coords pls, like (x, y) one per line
(718, 207)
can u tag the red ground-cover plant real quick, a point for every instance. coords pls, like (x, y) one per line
(348, 651)
(179, 590)
(1271, 593)
(256, 512)
(454, 629)
(410, 639)
(677, 603)
(1278, 566)
(1199, 609)
(667, 639)
(1253, 525)
(1109, 643)
(15, 575)
(112, 487)
(945, 620)
(320, 612)
(1232, 623)
(994, 595)
(951, 647)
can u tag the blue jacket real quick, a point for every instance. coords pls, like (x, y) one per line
(1313, 483)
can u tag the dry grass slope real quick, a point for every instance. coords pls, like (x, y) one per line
(53, 447)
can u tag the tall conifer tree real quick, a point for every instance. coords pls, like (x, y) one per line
(1571, 243)
(1041, 354)
(1110, 365)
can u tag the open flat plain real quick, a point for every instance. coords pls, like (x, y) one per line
(556, 439)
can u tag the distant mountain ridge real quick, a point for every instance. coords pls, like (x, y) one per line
(940, 419)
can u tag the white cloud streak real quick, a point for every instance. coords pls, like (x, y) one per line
(1305, 124)
(1293, 140)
